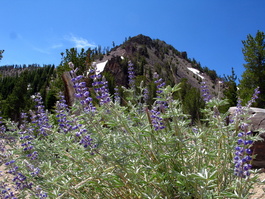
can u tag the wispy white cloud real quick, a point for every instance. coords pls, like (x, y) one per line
(48, 49)
(80, 42)
(54, 46)
(44, 51)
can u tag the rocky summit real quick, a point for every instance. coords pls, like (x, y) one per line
(153, 55)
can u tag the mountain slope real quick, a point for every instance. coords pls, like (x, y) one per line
(149, 56)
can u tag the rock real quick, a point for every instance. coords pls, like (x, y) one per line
(257, 119)
(258, 122)
(118, 70)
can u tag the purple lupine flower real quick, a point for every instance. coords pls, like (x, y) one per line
(34, 171)
(243, 152)
(84, 137)
(40, 117)
(33, 155)
(27, 146)
(80, 87)
(159, 83)
(82, 93)
(3, 142)
(86, 141)
(101, 89)
(254, 97)
(62, 110)
(159, 106)
(131, 75)
(66, 125)
(27, 135)
(146, 95)
(19, 179)
(240, 110)
(2, 128)
(40, 193)
(2, 149)
(117, 98)
(6, 192)
(157, 121)
(205, 92)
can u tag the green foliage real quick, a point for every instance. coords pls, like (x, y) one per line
(1, 54)
(212, 73)
(254, 55)
(111, 81)
(16, 90)
(131, 159)
(51, 99)
(79, 59)
(191, 100)
(230, 92)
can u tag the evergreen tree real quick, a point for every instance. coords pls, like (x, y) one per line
(191, 100)
(79, 59)
(230, 91)
(16, 101)
(254, 75)
(1, 54)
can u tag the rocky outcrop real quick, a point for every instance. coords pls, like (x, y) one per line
(257, 122)
(118, 70)
(257, 119)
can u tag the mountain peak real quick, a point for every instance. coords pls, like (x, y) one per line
(154, 55)
(141, 39)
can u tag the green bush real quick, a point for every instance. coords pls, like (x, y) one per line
(113, 151)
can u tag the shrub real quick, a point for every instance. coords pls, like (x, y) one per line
(113, 151)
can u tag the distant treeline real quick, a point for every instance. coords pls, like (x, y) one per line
(19, 83)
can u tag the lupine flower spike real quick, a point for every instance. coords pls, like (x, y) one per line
(242, 150)
(82, 93)
(117, 98)
(101, 89)
(205, 92)
(131, 75)
(40, 117)
(157, 120)
(243, 153)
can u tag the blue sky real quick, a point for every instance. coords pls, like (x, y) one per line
(211, 31)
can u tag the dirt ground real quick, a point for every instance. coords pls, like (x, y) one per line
(259, 188)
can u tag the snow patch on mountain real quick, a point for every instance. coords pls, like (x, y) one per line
(100, 66)
(196, 72)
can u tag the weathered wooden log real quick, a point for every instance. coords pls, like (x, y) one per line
(69, 88)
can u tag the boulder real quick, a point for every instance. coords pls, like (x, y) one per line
(257, 122)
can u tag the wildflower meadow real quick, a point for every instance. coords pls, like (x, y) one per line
(98, 148)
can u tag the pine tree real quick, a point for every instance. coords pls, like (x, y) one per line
(1, 54)
(254, 75)
(230, 91)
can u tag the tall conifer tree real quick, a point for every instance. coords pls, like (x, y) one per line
(1, 54)
(254, 75)
(230, 91)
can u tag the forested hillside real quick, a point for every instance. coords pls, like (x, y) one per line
(19, 82)
(147, 55)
